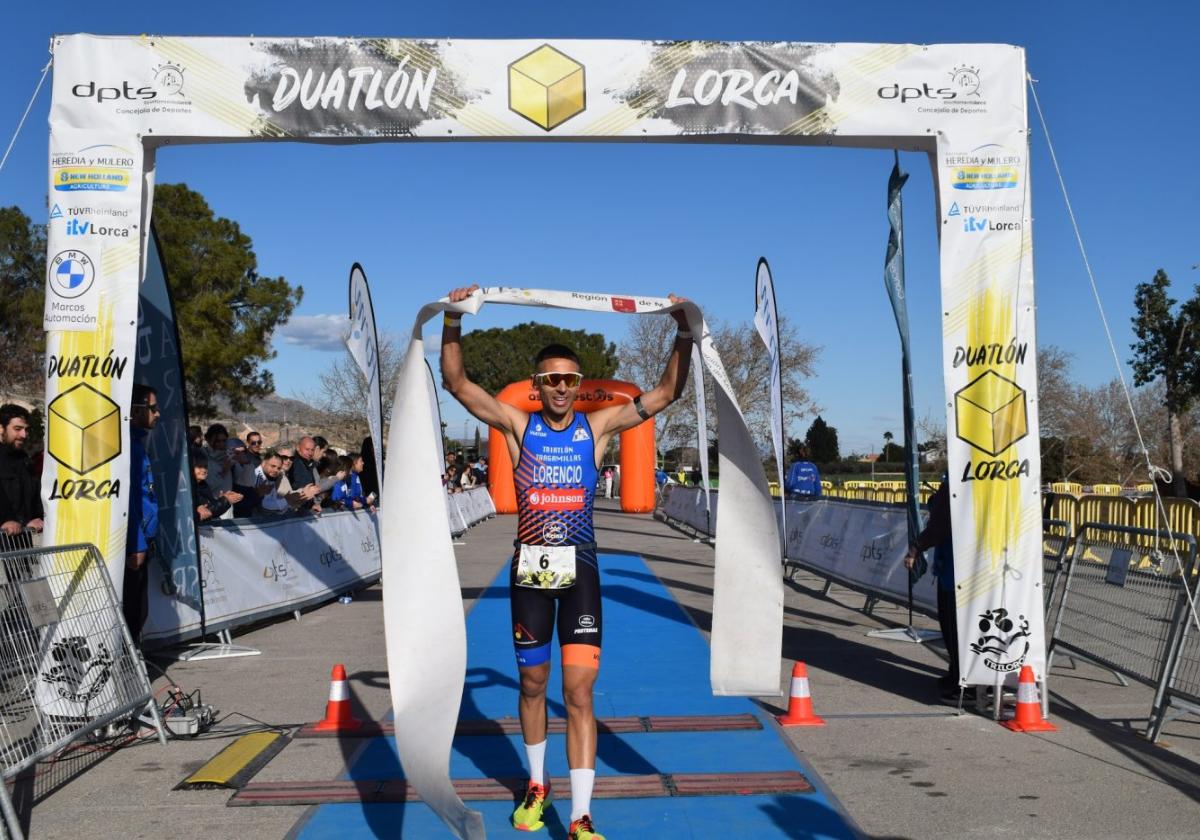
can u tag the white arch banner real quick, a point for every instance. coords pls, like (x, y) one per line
(117, 99)
(422, 599)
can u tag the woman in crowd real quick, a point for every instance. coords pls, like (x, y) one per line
(208, 505)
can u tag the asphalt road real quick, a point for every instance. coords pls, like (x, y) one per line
(901, 765)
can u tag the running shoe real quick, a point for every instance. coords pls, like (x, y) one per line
(581, 829)
(528, 816)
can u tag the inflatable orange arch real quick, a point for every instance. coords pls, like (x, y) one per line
(637, 444)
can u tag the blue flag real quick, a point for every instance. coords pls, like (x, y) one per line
(893, 279)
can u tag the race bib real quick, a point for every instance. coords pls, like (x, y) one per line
(546, 566)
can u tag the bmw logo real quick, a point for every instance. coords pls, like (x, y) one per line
(71, 273)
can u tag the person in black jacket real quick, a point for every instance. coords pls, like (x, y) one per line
(20, 502)
(938, 535)
(206, 503)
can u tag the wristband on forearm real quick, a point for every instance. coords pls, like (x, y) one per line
(684, 334)
(452, 320)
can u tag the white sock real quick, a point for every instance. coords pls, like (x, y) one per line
(581, 792)
(536, 753)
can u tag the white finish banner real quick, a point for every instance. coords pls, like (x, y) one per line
(423, 601)
(256, 568)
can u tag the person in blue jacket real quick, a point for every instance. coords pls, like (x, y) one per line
(143, 509)
(349, 491)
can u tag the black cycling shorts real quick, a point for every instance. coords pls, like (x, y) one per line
(579, 620)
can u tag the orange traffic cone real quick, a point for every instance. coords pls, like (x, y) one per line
(800, 708)
(338, 716)
(1029, 707)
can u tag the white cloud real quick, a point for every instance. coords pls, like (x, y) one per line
(316, 332)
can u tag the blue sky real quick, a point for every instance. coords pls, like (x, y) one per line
(1117, 85)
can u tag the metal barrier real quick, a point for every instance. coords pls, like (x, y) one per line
(1056, 539)
(67, 663)
(1121, 613)
(1179, 693)
(16, 542)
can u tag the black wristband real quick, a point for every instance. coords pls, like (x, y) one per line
(641, 409)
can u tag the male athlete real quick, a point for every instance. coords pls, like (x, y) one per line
(555, 455)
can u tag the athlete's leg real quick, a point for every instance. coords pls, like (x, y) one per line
(578, 683)
(532, 703)
(579, 632)
(533, 628)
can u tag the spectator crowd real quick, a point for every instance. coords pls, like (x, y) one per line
(236, 477)
(461, 475)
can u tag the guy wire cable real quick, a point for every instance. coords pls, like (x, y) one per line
(1154, 471)
(25, 116)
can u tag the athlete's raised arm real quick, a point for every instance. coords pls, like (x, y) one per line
(608, 422)
(474, 399)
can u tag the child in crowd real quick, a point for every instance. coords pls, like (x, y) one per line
(349, 491)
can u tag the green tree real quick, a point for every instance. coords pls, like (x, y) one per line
(1168, 348)
(795, 451)
(226, 310)
(498, 356)
(22, 298)
(822, 442)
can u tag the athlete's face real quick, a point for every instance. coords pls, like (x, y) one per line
(557, 392)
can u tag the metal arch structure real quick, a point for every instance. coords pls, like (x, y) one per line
(117, 100)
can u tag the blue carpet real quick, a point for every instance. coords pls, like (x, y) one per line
(655, 662)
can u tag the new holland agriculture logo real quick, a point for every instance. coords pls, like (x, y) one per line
(84, 433)
(990, 414)
(546, 87)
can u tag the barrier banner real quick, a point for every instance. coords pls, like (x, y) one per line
(766, 321)
(255, 568)
(363, 342)
(858, 545)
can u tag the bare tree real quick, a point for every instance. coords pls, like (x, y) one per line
(746, 363)
(342, 389)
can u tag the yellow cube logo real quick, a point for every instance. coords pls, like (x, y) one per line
(84, 429)
(990, 413)
(546, 87)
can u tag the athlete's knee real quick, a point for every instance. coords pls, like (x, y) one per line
(577, 694)
(533, 681)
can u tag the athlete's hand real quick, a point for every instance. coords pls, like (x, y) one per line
(463, 292)
(678, 315)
